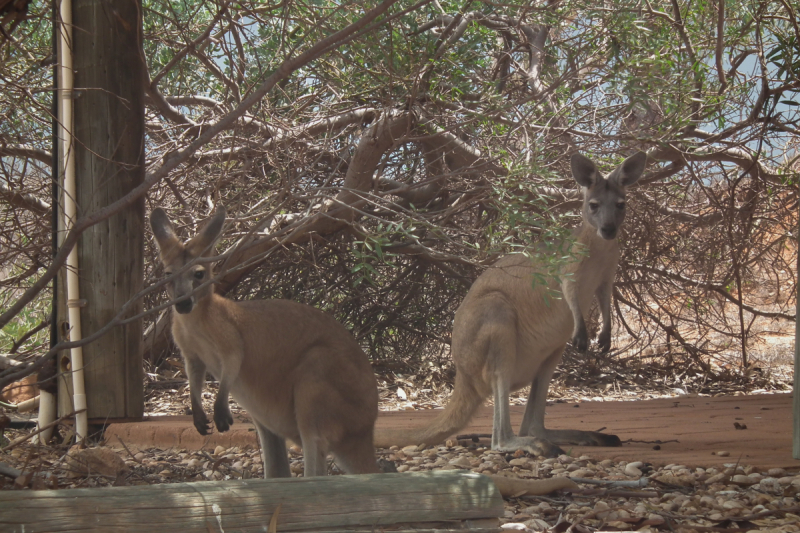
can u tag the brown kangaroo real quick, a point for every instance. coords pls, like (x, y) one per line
(298, 372)
(508, 334)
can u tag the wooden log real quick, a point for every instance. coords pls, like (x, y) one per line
(437, 500)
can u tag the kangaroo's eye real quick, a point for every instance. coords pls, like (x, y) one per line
(199, 274)
(620, 205)
(594, 206)
(168, 272)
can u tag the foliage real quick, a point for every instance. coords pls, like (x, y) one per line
(378, 180)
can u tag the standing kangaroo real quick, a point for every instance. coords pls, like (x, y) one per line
(298, 372)
(507, 334)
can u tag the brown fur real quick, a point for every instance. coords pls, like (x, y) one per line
(297, 372)
(508, 334)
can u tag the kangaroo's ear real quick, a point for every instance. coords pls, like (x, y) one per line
(584, 170)
(204, 241)
(163, 230)
(630, 170)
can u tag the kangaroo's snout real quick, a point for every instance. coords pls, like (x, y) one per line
(184, 306)
(608, 231)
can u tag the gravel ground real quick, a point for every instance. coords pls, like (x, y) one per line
(613, 496)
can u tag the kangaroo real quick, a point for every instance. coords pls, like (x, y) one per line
(298, 372)
(507, 334)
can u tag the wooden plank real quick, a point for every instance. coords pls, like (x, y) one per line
(326, 503)
(109, 163)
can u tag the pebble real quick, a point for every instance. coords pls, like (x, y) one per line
(743, 480)
(732, 504)
(717, 478)
(461, 461)
(631, 469)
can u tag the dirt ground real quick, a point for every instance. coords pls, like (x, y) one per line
(690, 431)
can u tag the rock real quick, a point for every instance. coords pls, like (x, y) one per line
(732, 504)
(521, 462)
(19, 391)
(462, 462)
(94, 461)
(537, 524)
(632, 470)
(680, 480)
(743, 481)
(723, 454)
(716, 478)
(776, 472)
(582, 473)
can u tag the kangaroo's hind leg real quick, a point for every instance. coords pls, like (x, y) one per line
(533, 420)
(273, 453)
(502, 348)
(356, 455)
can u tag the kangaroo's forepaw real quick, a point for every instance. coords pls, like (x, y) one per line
(201, 422)
(223, 419)
(604, 341)
(532, 445)
(580, 340)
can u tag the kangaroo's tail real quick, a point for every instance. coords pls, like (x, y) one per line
(463, 403)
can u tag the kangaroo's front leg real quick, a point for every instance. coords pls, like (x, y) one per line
(223, 418)
(603, 294)
(580, 336)
(196, 372)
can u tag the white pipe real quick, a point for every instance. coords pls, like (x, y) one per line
(66, 125)
(47, 414)
(29, 405)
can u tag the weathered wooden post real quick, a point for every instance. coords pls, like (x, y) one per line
(108, 151)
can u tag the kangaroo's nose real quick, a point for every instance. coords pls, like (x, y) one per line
(608, 232)
(184, 306)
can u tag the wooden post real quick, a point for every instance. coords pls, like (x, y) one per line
(109, 158)
(424, 501)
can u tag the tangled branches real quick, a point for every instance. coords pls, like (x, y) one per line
(378, 178)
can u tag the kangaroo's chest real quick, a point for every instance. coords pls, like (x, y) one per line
(202, 343)
(591, 272)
